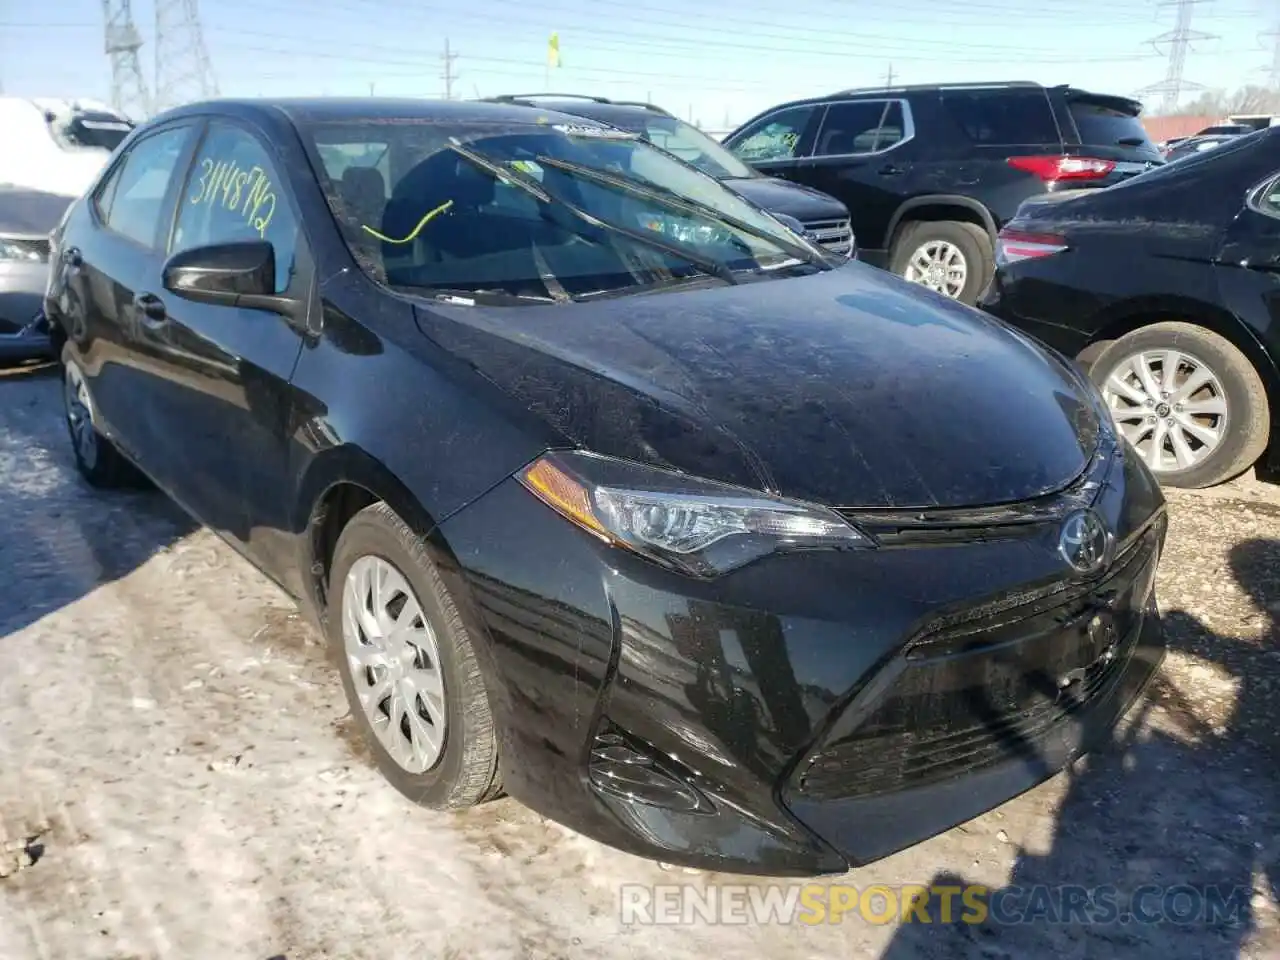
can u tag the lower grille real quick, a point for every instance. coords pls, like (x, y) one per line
(976, 694)
(834, 236)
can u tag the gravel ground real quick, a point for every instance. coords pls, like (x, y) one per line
(177, 777)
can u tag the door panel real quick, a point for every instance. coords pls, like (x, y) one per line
(864, 155)
(226, 406)
(1249, 275)
(102, 267)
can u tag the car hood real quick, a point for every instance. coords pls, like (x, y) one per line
(850, 388)
(793, 199)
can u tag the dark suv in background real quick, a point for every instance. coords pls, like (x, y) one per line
(824, 220)
(931, 173)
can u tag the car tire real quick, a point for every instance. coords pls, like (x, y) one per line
(97, 459)
(954, 238)
(438, 677)
(1235, 388)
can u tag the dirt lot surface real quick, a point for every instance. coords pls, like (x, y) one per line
(177, 779)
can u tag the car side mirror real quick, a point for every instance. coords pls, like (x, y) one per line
(240, 274)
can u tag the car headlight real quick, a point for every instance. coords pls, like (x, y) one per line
(700, 527)
(17, 250)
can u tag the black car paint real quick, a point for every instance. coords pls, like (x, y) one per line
(266, 429)
(937, 173)
(1180, 242)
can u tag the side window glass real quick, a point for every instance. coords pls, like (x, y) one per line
(1267, 199)
(106, 193)
(233, 193)
(776, 137)
(1004, 119)
(136, 193)
(864, 126)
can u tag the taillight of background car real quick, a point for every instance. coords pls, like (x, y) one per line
(1053, 169)
(1013, 246)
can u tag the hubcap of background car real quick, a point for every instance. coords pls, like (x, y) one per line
(939, 266)
(395, 663)
(79, 410)
(1170, 405)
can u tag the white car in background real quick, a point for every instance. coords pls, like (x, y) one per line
(57, 146)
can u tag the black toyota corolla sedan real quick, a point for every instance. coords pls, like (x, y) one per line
(1167, 288)
(611, 493)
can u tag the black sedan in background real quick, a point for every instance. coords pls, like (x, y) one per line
(1168, 288)
(822, 217)
(610, 492)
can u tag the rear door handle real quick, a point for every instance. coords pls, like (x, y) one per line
(150, 310)
(890, 170)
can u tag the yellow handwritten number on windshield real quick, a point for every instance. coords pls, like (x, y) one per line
(431, 215)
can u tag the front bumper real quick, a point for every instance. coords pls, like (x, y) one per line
(24, 331)
(32, 342)
(694, 722)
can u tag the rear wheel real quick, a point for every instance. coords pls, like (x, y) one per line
(1188, 400)
(408, 665)
(949, 256)
(97, 458)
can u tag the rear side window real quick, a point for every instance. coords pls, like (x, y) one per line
(775, 137)
(1101, 125)
(1003, 119)
(133, 199)
(861, 126)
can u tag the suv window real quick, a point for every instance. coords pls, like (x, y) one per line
(1103, 125)
(1266, 199)
(1002, 119)
(234, 193)
(131, 200)
(860, 126)
(775, 137)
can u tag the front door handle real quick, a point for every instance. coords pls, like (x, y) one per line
(150, 309)
(890, 170)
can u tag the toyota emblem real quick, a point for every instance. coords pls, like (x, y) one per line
(1085, 542)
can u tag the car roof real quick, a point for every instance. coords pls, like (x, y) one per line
(339, 109)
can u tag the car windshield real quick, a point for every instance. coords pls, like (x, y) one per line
(539, 212)
(696, 148)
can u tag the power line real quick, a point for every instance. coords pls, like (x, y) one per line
(1179, 40)
(446, 73)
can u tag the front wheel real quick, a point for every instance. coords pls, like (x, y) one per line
(947, 256)
(408, 665)
(1188, 401)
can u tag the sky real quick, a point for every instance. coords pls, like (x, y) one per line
(716, 62)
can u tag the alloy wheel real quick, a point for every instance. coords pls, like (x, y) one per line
(79, 412)
(939, 265)
(394, 659)
(1169, 405)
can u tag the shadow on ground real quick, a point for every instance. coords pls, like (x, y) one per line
(1178, 822)
(61, 538)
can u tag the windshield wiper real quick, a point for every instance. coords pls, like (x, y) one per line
(670, 198)
(708, 265)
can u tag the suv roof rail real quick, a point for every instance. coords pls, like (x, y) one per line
(917, 87)
(514, 97)
(526, 97)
